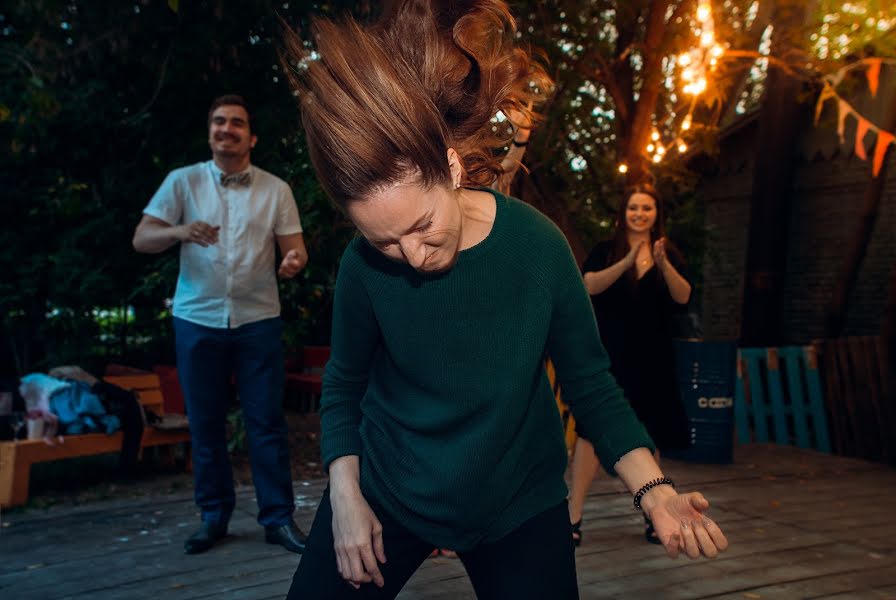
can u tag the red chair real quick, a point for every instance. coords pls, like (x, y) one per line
(171, 391)
(304, 381)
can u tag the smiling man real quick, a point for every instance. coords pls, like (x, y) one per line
(228, 215)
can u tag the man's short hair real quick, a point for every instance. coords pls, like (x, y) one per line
(230, 100)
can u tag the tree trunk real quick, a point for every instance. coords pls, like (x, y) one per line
(527, 187)
(772, 194)
(837, 309)
(642, 119)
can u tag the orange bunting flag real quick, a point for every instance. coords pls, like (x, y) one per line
(861, 130)
(884, 139)
(827, 92)
(873, 74)
(843, 109)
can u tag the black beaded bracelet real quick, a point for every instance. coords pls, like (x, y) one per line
(520, 144)
(649, 486)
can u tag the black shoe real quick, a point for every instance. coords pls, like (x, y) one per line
(289, 536)
(207, 536)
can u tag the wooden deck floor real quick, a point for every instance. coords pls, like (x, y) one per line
(801, 525)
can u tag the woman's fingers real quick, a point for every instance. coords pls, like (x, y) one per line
(718, 538)
(673, 545)
(371, 567)
(339, 564)
(707, 546)
(378, 548)
(358, 574)
(698, 501)
(691, 547)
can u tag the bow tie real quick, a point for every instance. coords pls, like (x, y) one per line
(243, 179)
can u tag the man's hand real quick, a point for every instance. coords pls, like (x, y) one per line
(199, 232)
(291, 265)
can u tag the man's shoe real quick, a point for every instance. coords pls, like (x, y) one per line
(207, 536)
(289, 536)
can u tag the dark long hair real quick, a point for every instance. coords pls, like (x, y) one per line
(385, 101)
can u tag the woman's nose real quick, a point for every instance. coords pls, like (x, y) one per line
(414, 253)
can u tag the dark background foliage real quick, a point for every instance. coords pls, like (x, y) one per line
(99, 100)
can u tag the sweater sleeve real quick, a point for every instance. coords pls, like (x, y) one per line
(601, 411)
(355, 337)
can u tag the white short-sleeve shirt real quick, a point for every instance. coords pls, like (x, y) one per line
(233, 282)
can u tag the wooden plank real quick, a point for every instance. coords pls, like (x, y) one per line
(864, 583)
(833, 395)
(741, 416)
(776, 396)
(815, 397)
(138, 383)
(754, 356)
(872, 377)
(789, 513)
(849, 400)
(888, 407)
(794, 365)
(866, 418)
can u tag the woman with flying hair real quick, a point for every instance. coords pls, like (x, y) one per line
(439, 427)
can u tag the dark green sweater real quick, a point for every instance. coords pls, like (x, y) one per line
(438, 382)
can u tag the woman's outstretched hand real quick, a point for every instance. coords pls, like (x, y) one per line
(681, 523)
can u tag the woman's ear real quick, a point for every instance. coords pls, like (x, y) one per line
(456, 167)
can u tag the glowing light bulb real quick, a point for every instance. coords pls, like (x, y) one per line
(623, 168)
(717, 51)
(703, 12)
(684, 60)
(686, 124)
(687, 74)
(707, 39)
(650, 147)
(655, 136)
(660, 150)
(682, 147)
(657, 158)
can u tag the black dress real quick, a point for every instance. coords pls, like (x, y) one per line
(635, 318)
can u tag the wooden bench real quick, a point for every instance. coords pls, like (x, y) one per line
(16, 457)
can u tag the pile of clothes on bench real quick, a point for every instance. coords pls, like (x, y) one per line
(70, 401)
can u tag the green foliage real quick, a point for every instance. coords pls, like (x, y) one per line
(98, 101)
(238, 440)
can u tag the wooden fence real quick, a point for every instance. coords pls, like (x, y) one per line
(860, 405)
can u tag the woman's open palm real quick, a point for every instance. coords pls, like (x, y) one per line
(682, 526)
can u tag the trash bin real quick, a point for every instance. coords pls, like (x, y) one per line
(706, 376)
